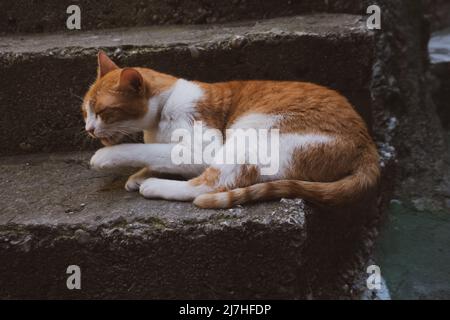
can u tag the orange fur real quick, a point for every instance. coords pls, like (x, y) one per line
(209, 178)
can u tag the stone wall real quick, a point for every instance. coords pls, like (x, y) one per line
(405, 114)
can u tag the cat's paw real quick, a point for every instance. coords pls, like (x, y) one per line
(100, 160)
(106, 158)
(134, 183)
(135, 180)
(150, 188)
(121, 156)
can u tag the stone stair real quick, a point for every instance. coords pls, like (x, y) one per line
(55, 212)
(37, 16)
(44, 76)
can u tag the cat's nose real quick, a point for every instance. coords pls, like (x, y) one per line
(90, 131)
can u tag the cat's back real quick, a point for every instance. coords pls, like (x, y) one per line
(280, 95)
(307, 100)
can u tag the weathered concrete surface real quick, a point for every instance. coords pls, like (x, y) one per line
(404, 113)
(437, 13)
(439, 49)
(50, 15)
(441, 92)
(55, 212)
(43, 76)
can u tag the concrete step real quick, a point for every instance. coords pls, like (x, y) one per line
(50, 15)
(55, 212)
(43, 76)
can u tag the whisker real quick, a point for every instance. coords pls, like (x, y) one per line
(76, 96)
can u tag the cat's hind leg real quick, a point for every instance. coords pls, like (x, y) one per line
(180, 190)
(155, 188)
(213, 179)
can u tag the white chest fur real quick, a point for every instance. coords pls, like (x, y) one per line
(179, 110)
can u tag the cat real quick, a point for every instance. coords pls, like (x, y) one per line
(326, 155)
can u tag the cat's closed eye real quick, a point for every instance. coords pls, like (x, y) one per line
(110, 114)
(99, 113)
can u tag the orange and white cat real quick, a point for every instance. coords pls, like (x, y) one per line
(326, 154)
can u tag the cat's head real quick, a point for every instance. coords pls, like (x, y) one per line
(116, 105)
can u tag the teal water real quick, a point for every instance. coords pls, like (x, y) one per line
(414, 253)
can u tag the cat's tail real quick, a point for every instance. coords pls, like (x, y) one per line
(336, 193)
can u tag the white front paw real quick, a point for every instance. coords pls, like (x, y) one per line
(122, 155)
(101, 159)
(111, 157)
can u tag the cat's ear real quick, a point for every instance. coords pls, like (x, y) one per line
(131, 79)
(105, 64)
